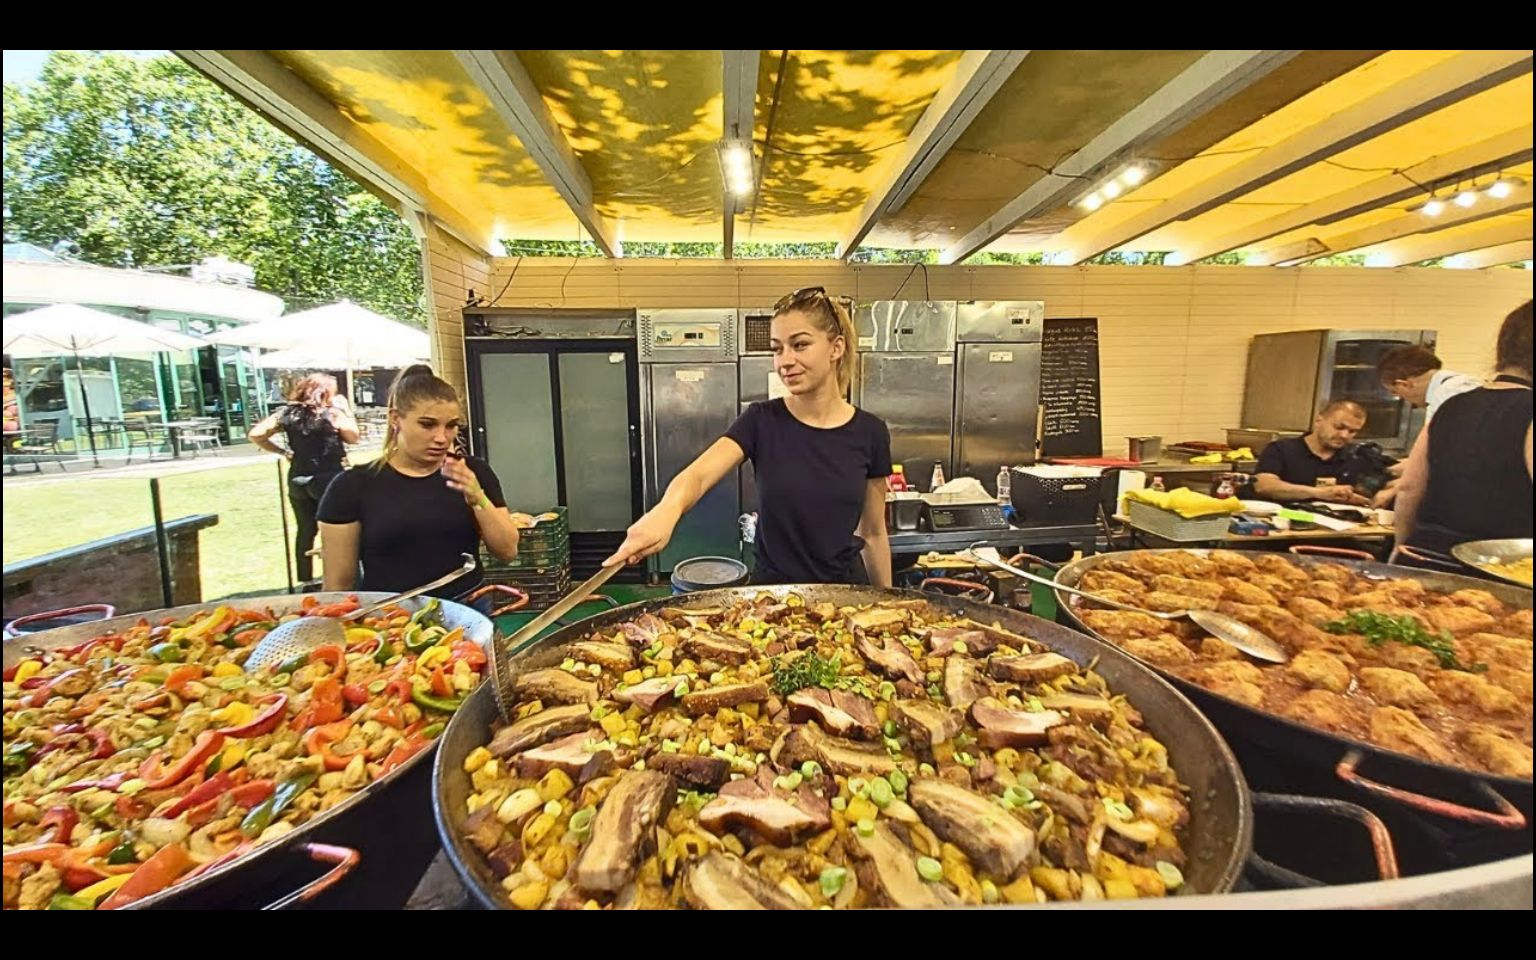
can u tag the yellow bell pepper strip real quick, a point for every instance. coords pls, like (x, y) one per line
(219, 621)
(96, 891)
(161, 870)
(264, 722)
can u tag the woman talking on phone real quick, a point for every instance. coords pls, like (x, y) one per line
(821, 463)
(409, 516)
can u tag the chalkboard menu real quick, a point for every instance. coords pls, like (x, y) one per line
(1069, 389)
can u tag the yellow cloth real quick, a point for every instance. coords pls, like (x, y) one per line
(1185, 502)
(1241, 453)
(1206, 458)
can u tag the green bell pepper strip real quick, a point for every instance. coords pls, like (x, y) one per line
(270, 809)
(427, 701)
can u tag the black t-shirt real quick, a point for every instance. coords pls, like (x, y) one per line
(811, 484)
(1294, 462)
(314, 440)
(1478, 488)
(415, 529)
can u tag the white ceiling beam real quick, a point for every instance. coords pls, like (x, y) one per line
(517, 101)
(739, 84)
(1408, 225)
(980, 75)
(1448, 82)
(1489, 156)
(1203, 85)
(1492, 256)
(1417, 249)
(258, 80)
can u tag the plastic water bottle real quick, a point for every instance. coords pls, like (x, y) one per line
(938, 477)
(1004, 487)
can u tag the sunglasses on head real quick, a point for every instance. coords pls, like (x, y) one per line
(806, 295)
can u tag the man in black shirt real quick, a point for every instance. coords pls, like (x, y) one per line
(1318, 466)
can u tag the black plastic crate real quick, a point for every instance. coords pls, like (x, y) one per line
(539, 548)
(544, 588)
(1039, 499)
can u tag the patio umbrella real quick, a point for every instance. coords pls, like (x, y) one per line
(68, 328)
(341, 331)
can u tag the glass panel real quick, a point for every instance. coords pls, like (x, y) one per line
(520, 427)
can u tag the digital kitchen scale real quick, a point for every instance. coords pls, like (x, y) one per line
(965, 516)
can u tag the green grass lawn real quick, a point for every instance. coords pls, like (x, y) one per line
(243, 553)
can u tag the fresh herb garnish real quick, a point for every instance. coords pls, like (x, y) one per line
(1378, 628)
(810, 669)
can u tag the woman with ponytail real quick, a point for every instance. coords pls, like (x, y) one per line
(410, 516)
(821, 463)
(315, 424)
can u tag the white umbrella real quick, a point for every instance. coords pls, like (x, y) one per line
(307, 358)
(355, 335)
(68, 328)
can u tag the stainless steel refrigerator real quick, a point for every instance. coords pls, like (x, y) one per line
(997, 398)
(1292, 375)
(906, 377)
(688, 399)
(756, 381)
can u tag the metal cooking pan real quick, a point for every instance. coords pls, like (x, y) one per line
(1422, 781)
(264, 864)
(1478, 552)
(1221, 812)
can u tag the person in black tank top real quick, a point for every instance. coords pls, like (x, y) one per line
(1469, 477)
(821, 463)
(315, 427)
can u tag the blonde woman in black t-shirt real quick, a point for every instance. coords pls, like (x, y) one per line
(408, 517)
(820, 462)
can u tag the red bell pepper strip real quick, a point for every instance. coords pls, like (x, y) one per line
(79, 650)
(401, 688)
(131, 808)
(62, 728)
(336, 609)
(158, 778)
(253, 616)
(61, 820)
(469, 651)
(390, 716)
(355, 694)
(252, 794)
(264, 722)
(241, 850)
(247, 637)
(102, 783)
(325, 705)
(181, 676)
(318, 743)
(440, 684)
(45, 693)
(103, 741)
(308, 604)
(155, 874)
(37, 853)
(210, 789)
(366, 646)
(408, 746)
(333, 655)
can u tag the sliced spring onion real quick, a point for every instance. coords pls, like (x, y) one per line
(930, 869)
(1172, 875)
(832, 880)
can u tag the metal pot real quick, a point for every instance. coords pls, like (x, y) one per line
(1221, 809)
(317, 839)
(1419, 783)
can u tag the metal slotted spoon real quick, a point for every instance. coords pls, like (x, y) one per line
(306, 634)
(1255, 643)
